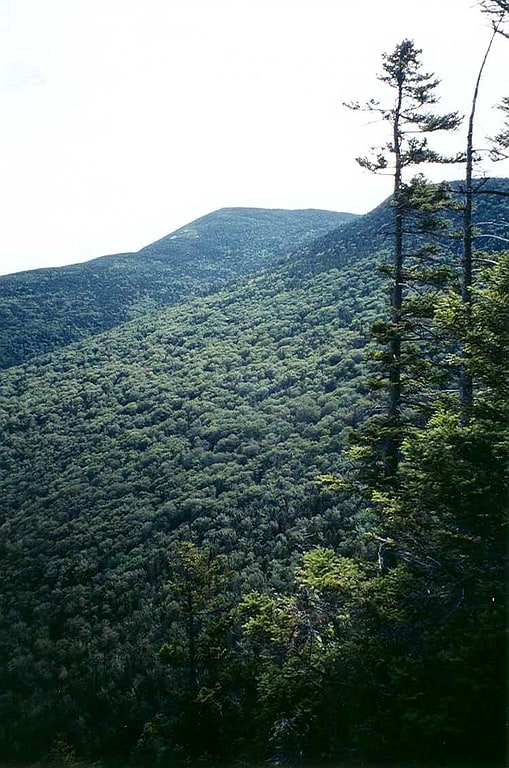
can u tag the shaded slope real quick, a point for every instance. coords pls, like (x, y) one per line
(209, 420)
(45, 309)
(262, 234)
(371, 233)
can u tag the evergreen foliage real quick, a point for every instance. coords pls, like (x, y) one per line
(177, 456)
(206, 422)
(414, 201)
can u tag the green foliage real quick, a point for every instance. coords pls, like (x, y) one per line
(169, 562)
(208, 422)
(415, 208)
(47, 309)
(446, 522)
(484, 331)
(501, 140)
(204, 670)
(414, 90)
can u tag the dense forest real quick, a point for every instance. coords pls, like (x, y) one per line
(254, 501)
(49, 308)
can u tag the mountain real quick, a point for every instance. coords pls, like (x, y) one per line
(207, 421)
(371, 233)
(44, 309)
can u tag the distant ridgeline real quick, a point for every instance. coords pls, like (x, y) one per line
(371, 233)
(45, 309)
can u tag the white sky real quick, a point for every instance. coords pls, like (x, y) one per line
(122, 120)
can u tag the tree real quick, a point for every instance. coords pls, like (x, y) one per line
(466, 383)
(501, 140)
(498, 11)
(430, 623)
(204, 669)
(300, 641)
(446, 521)
(410, 123)
(439, 597)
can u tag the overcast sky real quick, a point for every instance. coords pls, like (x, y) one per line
(122, 120)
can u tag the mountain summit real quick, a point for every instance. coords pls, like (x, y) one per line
(45, 309)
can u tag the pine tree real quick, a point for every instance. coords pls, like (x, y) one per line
(445, 525)
(466, 383)
(498, 12)
(202, 666)
(410, 121)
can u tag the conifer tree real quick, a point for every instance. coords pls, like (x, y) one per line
(410, 122)
(498, 12)
(501, 140)
(200, 656)
(466, 383)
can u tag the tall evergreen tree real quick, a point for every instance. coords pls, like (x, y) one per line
(466, 383)
(410, 121)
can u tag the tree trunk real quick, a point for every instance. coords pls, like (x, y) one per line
(466, 384)
(394, 406)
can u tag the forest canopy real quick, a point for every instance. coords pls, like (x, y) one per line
(268, 510)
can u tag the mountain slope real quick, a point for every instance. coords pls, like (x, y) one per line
(371, 233)
(45, 309)
(208, 421)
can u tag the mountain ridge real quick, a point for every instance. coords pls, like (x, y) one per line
(205, 422)
(371, 232)
(243, 212)
(43, 309)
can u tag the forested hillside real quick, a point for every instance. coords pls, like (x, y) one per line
(208, 421)
(46, 309)
(170, 556)
(254, 478)
(373, 232)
